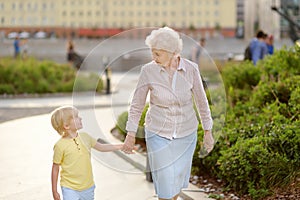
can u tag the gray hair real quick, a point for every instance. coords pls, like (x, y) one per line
(165, 39)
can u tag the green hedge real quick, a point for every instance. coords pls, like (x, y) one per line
(260, 145)
(19, 76)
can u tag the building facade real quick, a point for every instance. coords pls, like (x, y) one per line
(291, 8)
(65, 17)
(259, 15)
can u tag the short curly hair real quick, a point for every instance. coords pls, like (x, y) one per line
(165, 39)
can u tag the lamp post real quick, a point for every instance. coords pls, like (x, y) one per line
(294, 27)
(105, 61)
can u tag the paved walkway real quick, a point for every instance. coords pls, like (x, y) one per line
(26, 149)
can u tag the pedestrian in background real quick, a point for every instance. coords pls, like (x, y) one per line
(73, 57)
(171, 122)
(25, 48)
(17, 47)
(72, 153)
(270, 44)
(258, 47)
(196, 51)
(70, 51)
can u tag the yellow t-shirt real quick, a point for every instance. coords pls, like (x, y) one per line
(74, 158)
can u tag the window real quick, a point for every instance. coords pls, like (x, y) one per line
(44, 6)
(13, 21)
(35, 7)
(216, 13)
(199, 24)
(29, 21)
(44, 20)
(21, 20)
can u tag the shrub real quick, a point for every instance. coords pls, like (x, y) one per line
(239, 80)
(31, 76)
(261, 146)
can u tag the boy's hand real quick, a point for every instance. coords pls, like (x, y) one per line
(56, 196)
(128, 144)
(135, 148)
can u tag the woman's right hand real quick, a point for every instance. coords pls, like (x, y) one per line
(129, 143)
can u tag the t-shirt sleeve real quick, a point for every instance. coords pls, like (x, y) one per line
(88, 140)
(57, 155)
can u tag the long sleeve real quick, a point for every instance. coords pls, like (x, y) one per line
(201, 101)
(138, 103)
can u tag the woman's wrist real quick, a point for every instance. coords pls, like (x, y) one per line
(131, 134)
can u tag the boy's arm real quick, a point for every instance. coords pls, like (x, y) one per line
(54, 178)
(107, 147)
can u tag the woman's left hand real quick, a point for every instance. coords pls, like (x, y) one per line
(128, 146)
(208, 141)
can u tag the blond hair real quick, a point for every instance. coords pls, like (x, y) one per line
(60, 116)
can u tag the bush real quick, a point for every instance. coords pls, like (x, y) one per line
(31, 76)
(239, 80)
(261, 146)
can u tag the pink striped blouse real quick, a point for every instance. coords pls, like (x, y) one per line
(171, 113)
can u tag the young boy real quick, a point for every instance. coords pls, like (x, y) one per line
(72, 153)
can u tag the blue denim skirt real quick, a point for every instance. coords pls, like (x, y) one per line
(170, 162)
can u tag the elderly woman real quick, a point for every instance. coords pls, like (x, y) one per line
(171, 122)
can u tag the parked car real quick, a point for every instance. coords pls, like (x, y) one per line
(40, 35)
(12, 35)
(24, 35)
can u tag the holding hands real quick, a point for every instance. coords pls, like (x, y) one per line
(129, 143)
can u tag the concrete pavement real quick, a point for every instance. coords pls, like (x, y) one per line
(26, 149)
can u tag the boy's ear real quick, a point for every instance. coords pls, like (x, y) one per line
(66, 126)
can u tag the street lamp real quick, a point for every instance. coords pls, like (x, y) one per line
(294, 27)
(105, 61)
